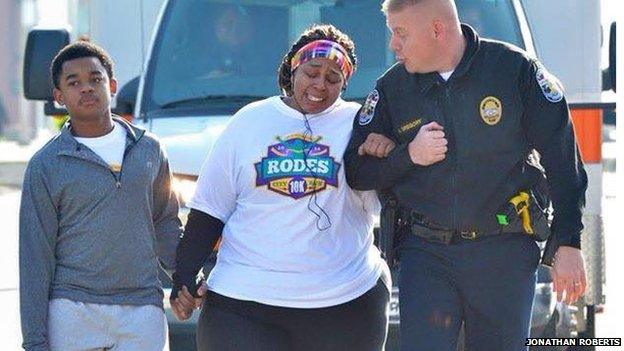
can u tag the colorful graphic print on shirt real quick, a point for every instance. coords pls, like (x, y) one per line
(297, 166)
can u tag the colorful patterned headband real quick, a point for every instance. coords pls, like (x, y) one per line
(327, 49)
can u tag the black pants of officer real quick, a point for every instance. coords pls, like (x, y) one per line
(488, 284)
(227, 324)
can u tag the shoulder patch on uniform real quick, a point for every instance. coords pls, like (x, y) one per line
(368, 110)
(551, 88)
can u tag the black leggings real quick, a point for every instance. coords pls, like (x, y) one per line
(228, 324)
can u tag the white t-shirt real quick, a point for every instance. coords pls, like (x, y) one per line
(109, 147)
(446, 75)
(256, 181)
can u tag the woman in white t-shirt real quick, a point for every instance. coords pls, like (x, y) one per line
(296, 268)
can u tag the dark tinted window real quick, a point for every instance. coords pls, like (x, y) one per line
(221, 47)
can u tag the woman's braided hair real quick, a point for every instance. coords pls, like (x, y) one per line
(315, 32)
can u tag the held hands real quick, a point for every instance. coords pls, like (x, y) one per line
(429, 145)
(376, 145)
(185, 303)
(568, 273)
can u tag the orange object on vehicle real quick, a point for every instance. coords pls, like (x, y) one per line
(588, 130)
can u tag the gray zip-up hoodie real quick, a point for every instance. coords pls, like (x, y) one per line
(92, 235)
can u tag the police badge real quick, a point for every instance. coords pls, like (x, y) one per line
(491, 110)
(368, 110)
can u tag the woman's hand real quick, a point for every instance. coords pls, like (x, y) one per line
(376, 145)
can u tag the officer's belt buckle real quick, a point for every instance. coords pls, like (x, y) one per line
(468, 234)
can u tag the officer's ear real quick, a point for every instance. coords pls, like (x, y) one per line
(439, 29)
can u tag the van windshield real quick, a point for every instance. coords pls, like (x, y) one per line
(222, 48)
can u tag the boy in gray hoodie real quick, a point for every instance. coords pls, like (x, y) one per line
(97, 215)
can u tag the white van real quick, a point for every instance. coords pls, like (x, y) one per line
(208, 58)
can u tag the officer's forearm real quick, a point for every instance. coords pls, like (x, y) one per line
(567, 229)
(567, 183)
(372, 173)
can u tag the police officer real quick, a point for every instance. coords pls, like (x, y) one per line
(465, 113)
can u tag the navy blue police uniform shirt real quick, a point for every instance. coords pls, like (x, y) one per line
(498, 104)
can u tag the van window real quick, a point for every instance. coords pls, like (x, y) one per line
(220, 48)
(494, 19)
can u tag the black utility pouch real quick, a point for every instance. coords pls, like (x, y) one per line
(541, 215)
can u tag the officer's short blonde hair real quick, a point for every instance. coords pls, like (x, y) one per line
(397, 5)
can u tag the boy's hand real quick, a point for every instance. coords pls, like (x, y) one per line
(185, 303)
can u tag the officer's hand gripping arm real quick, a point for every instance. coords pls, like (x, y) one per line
(366, 172)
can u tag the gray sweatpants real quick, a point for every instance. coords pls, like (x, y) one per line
(78, 326)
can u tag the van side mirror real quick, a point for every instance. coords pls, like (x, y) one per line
(126, 98)
(609, 74)
(41, 47)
